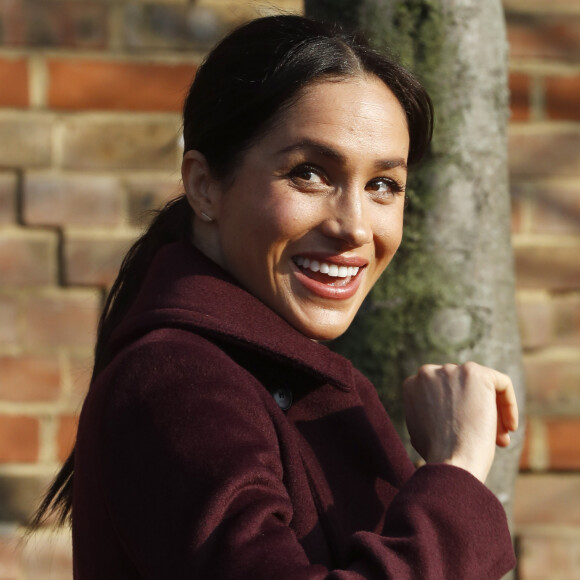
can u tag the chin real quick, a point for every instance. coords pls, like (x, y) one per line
(328, 336)
(323, 332)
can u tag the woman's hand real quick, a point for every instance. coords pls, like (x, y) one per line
(457, 414)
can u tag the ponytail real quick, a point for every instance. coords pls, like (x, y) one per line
(171, 224)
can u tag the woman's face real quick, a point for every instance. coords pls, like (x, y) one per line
(315, 210)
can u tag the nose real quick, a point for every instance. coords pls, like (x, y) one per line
(348, 218)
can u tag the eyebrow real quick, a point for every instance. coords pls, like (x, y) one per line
(334, 155)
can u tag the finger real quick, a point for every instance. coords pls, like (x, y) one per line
(424, 374)
(502, 437)
(507, 405)
(503, 440)
(409, 382)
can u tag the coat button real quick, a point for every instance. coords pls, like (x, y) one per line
(283, 396)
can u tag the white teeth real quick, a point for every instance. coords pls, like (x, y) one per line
(324, 268)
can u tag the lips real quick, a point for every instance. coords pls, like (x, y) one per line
(328, 268)
(335, 277)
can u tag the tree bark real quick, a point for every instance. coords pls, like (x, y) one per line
(449, 296)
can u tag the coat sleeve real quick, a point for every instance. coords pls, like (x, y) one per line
(192, 481)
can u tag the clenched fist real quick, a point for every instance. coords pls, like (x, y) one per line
(457, 414)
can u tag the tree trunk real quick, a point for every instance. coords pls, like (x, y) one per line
(449, 294)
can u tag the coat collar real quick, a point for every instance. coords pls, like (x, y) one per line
(185, 289)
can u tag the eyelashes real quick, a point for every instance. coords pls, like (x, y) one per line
(307, 173)
(390, 185)
(309, 177)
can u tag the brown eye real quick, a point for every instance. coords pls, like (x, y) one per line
(384, 186)
(308, 174)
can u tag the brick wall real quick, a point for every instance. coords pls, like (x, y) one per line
(545, 183)
(89, 141)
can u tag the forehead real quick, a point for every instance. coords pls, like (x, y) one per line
(355, 112)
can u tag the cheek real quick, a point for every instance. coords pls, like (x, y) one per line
(267, 229)
(289, 218)
(388, 235)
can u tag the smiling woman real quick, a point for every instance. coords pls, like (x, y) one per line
(321, 191)
(219, 439)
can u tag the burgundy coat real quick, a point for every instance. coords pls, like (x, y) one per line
(187, 466)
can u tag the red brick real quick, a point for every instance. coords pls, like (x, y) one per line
(519, 86)
(146, 194)
(536, 322)
(552, 385)
(544, 36)
(9, 320)
(549, 554)
(14, 83)
(67, 430)
(90, 260)
(117, 86)
(29, 378)
(8, 185)
(60, 23)
(28, 257)
(18, 439)
(544, 154)
(547, 499)
(124, 144)
(67, 318)
(555, 208)
(563, 436)
(25, 140)
(546, 267)
(562, 98)
(82, 200)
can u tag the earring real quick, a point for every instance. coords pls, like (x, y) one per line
(205, 217)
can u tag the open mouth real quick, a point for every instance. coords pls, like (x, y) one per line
(327, 273)
(337, 278)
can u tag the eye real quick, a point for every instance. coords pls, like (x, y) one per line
(385, 187)
(307, 175)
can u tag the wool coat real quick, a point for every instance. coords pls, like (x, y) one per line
(220, 443)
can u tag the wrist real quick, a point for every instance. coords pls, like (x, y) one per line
(476, 468)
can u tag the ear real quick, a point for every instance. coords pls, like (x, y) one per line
(201, 189)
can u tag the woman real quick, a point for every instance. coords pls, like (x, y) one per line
(219, 438)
